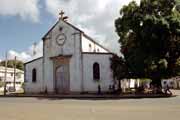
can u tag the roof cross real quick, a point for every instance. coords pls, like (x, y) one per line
(61, 14)
(62, 17)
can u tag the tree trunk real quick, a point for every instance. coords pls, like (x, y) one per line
(157, 85)
(119, 86)
(156, 82)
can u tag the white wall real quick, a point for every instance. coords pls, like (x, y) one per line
(106, 77)
(10, 78)
(129, 83)
(31, 87)
(10, 75)
(166, 82)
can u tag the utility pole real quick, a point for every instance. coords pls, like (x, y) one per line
(5, 74)
(14, 83)
(34, 49)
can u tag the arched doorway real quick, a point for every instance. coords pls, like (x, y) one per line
(62, 79)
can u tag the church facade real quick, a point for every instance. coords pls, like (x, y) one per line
(72, 62)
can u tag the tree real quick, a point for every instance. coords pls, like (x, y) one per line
(150, 38)
(10, 64)
(177, 67)
(119, 68)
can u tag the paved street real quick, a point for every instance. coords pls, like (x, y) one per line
(71, 109)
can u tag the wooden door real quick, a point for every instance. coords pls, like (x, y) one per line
(62, 79)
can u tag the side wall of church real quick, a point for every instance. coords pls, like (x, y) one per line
(106, 78)
(90, 46)
(70, 47)
(30, 86)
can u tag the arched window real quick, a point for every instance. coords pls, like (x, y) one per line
(90, 48)
(98, 50)
(34, 75)
(96, 71)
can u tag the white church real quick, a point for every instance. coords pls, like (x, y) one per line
(72, 62)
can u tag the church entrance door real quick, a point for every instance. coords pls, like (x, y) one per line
(62, 79)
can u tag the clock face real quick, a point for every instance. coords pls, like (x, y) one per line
(61, 39)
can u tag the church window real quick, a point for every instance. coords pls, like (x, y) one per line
(96, 71)
(34, 75)
(90, 47)
(60, 29)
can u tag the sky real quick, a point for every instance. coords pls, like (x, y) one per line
(25, 22)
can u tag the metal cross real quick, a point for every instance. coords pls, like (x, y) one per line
(61, 14)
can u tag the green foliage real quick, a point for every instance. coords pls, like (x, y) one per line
(145, 80)
(10, 64)
(118, 67)
(150, 37)
(177, 66)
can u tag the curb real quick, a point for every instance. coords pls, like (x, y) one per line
(91, 96)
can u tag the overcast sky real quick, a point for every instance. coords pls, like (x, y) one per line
(24, 22)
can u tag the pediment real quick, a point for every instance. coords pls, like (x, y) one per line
(48, 34)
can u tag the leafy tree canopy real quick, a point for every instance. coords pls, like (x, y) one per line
(10, 64)
(119, 67)
(150, 37)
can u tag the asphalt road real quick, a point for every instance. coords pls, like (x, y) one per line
(71, 109)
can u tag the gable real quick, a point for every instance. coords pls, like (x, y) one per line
(48, 34)
(62, 39)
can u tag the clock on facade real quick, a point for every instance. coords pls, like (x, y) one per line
(61, 39)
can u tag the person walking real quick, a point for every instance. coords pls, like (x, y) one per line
(167, 89)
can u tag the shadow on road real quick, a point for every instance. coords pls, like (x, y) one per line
(102, 98)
